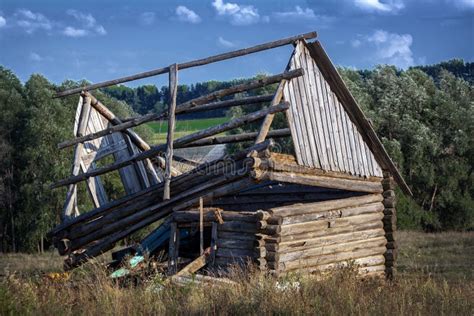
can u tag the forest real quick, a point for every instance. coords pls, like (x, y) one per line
(424, 116)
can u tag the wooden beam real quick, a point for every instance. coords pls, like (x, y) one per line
(134, 137)
(178, 143)
(193, 105)
(173, 90)
(240, 88)
(355, 113)
(201, 226)
(267, 122)
(284, 132)
(230, 103)
(194, 63)
(113, 129)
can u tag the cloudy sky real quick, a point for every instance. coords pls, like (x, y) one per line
(100, 40)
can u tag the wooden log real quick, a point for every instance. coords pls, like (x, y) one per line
(327, 182)
(201, 226)
(285, 132)
(173, 88)
(241, 253)
(238, 236)
(194, 63)
(239, 244)
(291, 246)
(196, 264)
(179, 142)
(325, 230)
(267, 121)
(390, 202)
(330, 258)
(331, 214)
(181, 182)
(300, 209)
(230, 103)
(214, 241)
(312, 226)
(210, 216)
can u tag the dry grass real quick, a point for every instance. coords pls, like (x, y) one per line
(435, 278)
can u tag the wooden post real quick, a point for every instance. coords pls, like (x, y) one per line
(173, 88)
(213, 242)
(173, 249)
(201, 226)
(267, 122)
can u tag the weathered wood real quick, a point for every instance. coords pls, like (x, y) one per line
(299, 209)
(229, 103)
(199, 62)
(134, 137)
(239, 244)
(196, 264)
(210, 216)
(328, 182)
(179, 142)
(336, 213)
(258, 252)
(173, 90)
(347, 100)
(214, 241)
(267, 121)
(299, 228)
(237, 138)
(201, 226)
(173, 249)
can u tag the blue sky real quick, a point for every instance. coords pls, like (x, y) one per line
(101, 40)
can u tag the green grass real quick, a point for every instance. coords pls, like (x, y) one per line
(183, 127)
(435, 278)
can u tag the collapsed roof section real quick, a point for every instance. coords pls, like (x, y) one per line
(335, 147)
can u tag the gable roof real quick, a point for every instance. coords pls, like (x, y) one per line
(355, 113)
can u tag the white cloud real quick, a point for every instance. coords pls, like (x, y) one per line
(390, 48)
(225, 43)
(35, 57)
(73, 32)
(147, 18)
(238, 14)
(388, 6)
(88, 23)
(462, 4)
(30, 21)
(186, 15)
(2, 21)
(298, 13)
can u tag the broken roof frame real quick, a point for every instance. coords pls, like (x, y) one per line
(144, 158)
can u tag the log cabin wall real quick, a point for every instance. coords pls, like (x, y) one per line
(324, 136)
(390, 224)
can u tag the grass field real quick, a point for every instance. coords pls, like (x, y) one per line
(183, 127)
(435, 278)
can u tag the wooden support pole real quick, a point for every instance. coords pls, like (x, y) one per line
(173, 90)
(173, 249)
(267, 122)
(201, 226)
(194, 63)
(284, 132)
(213, 242)
(178, 143)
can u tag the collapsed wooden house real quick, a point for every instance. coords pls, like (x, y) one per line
(329, 203)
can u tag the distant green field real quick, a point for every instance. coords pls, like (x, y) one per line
(183, 127)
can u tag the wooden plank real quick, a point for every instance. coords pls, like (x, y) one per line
(194, 63)
(340, 133)
(347, 137)
(328, 182)
(284, 132)
(312, 106)
(173, 90)
(267, 121)
(201, 226)
(291, 117)
(303, 84)
(328, 115)
(355, 113)
(173, 250)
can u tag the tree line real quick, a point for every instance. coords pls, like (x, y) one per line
(424, 115)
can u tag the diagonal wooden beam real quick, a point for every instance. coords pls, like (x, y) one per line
(173, 90)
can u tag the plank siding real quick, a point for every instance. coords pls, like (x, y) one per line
(324, 135)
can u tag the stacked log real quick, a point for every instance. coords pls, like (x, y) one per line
(390, 224)
(239, 239)
(322, 235)
(97, 231)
